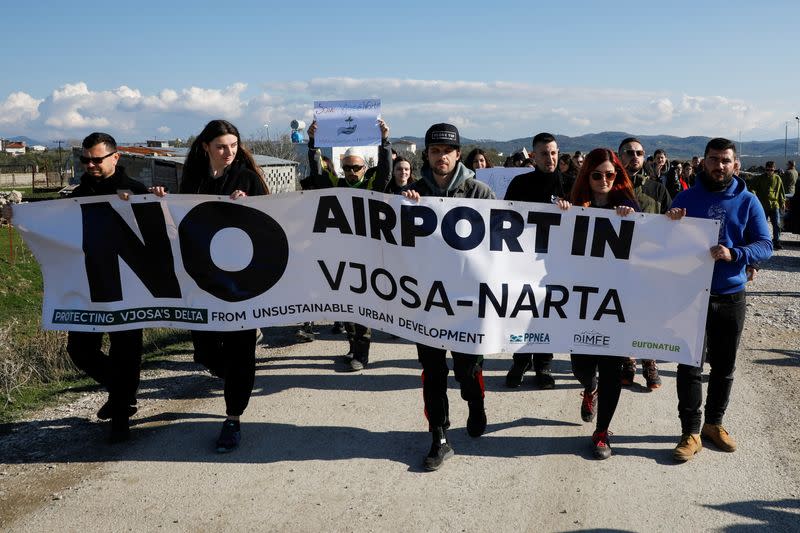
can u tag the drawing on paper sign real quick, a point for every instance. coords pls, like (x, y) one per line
(349, 129)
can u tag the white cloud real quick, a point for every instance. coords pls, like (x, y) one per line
(19, 107)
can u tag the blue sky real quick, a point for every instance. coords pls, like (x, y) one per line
(499, 70)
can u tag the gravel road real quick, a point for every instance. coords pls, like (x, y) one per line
(325, 450)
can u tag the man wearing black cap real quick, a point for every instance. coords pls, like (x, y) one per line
(541, 185)
(444, 175)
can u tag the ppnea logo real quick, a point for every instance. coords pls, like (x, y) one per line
(591, 338)
(653, 345)
(530, 337)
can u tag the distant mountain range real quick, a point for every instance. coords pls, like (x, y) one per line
(676, 147)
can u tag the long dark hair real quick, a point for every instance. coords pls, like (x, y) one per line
(195, 167)
(401, 159)
(621, 190)
(470, 160)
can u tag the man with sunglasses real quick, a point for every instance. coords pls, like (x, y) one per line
(652, 197)
(119, 370)
(542, 185)
(356, 176)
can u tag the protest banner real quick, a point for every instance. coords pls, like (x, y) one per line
(476, 276)
(347, 123)
(498, 178)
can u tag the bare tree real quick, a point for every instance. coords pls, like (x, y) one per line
(282, 147)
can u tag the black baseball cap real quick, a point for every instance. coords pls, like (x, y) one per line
(443, 134)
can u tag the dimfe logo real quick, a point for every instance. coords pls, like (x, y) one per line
(591, 338)
(530, 337)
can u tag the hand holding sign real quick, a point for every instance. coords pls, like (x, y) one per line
(347, 123)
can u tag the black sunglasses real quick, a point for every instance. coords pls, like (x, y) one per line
(637, 153)
(352, 168)
(96, 160)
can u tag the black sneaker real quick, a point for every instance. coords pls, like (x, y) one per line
(628, 372)
(104, 413)
(229, 437)
(357, 365)
(601, 445)
(440, 451)
(544, 380)
(514, 376)
(337, 328)
(588, 405)
(476, 422)
(304, 336)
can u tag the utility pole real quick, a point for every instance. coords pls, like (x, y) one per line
(60, 168)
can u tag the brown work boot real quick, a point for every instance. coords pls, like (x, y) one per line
(719, 436)
(689, 445)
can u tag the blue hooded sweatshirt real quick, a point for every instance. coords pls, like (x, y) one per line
(743, 229)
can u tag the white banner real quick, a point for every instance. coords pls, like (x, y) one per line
(347, 123)
(476, 276)
(499, 178)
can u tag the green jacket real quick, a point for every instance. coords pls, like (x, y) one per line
(768, 188)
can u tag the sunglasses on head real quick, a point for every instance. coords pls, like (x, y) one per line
(352, 168)
(96, 160)
(632, 152)
(597, 175)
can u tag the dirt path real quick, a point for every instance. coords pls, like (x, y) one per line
(325, 450)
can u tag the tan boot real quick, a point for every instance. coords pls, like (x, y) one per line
(719, 436)
(689, 445)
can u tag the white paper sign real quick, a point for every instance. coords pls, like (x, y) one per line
(498, 178)
(347, 123)
(475, 276)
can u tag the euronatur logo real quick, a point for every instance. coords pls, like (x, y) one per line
(530, 338)
(591, 338)
(652, 345)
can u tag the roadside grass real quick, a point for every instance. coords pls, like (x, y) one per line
(40, 193)
(35, 369)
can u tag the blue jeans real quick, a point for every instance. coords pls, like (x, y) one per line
(774, 217)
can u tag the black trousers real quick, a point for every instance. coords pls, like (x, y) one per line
(541, 361)
(230, 355)
(468, 370)
(118, 371)
(724, 324)
(359, 337)
(586, 368)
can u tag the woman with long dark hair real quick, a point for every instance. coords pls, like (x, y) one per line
(402, 175)
(602, 182)
(478, 158)
(219, 164)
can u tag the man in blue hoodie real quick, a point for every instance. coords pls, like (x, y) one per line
(744, 239)
(443, 174)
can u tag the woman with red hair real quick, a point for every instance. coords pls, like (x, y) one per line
(602, 182)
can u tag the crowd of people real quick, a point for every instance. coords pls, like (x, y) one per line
(624, 180)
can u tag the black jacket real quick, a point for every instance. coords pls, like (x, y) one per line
(536, 186)
(119, 181)
(375, 178)
(236, 177)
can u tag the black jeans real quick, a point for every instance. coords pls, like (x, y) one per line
(468, 370)
(585, 368)
(118, 371)
(230, 355)
(359, 338)
(541, 361)
(724, 324)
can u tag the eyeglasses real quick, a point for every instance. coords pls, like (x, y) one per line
(631, 152)
(597, 175)
(95, 160)
(352, 168)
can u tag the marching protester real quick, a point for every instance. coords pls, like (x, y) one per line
(118, 371)
(768, 188)
(356, 176)
(602, 182)
(443, 175)
(541, 185)
(743, 240)
(652, 197)
(219, 164)
(477, 158)
(569, 170)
